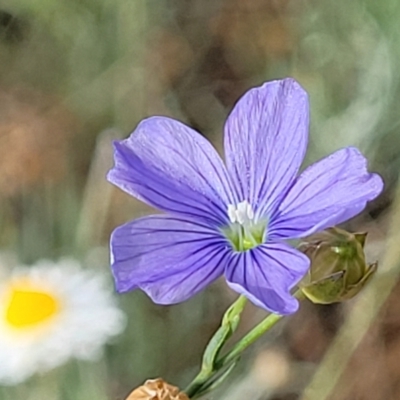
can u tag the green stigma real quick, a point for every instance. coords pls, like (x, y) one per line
(244, 233)
(243, 239)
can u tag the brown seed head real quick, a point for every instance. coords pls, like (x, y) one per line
(157, 389)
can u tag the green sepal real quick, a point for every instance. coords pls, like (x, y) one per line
(361, 237)
(355, 289)
(327, 290)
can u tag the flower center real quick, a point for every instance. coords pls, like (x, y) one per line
(244, 232)
(28, 306)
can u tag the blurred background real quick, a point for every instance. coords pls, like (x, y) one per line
(76, 74)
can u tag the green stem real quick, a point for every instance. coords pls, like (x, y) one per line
(229, 324)
(195, 386)
(258, 331)
(248, 339)
(235, 309)
(206, 375)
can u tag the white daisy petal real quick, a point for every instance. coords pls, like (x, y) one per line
(50, 313)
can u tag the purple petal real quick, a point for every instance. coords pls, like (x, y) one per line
(173, 168)
(327, 193)
(171, 259)
(266, 274)
(265, 141)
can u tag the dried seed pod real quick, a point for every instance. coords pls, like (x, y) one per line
(157, 389)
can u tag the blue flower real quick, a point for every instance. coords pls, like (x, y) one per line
(231, 219)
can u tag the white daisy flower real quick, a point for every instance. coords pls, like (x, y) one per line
(50, 313)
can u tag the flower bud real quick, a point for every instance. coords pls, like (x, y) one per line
(338, 268)
(157, 389)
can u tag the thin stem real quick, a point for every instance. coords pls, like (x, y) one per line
(195, 386)
(200, 381)
(229, 323)
(259, 330)
(249, 339)
(234, 353)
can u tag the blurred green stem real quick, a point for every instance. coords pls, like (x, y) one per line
(264, 326)
(229, 324)
(211, 372)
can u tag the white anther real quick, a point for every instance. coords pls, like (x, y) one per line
(242, 213)
(232, 213)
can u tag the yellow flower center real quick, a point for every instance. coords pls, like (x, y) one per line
(29, 306)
